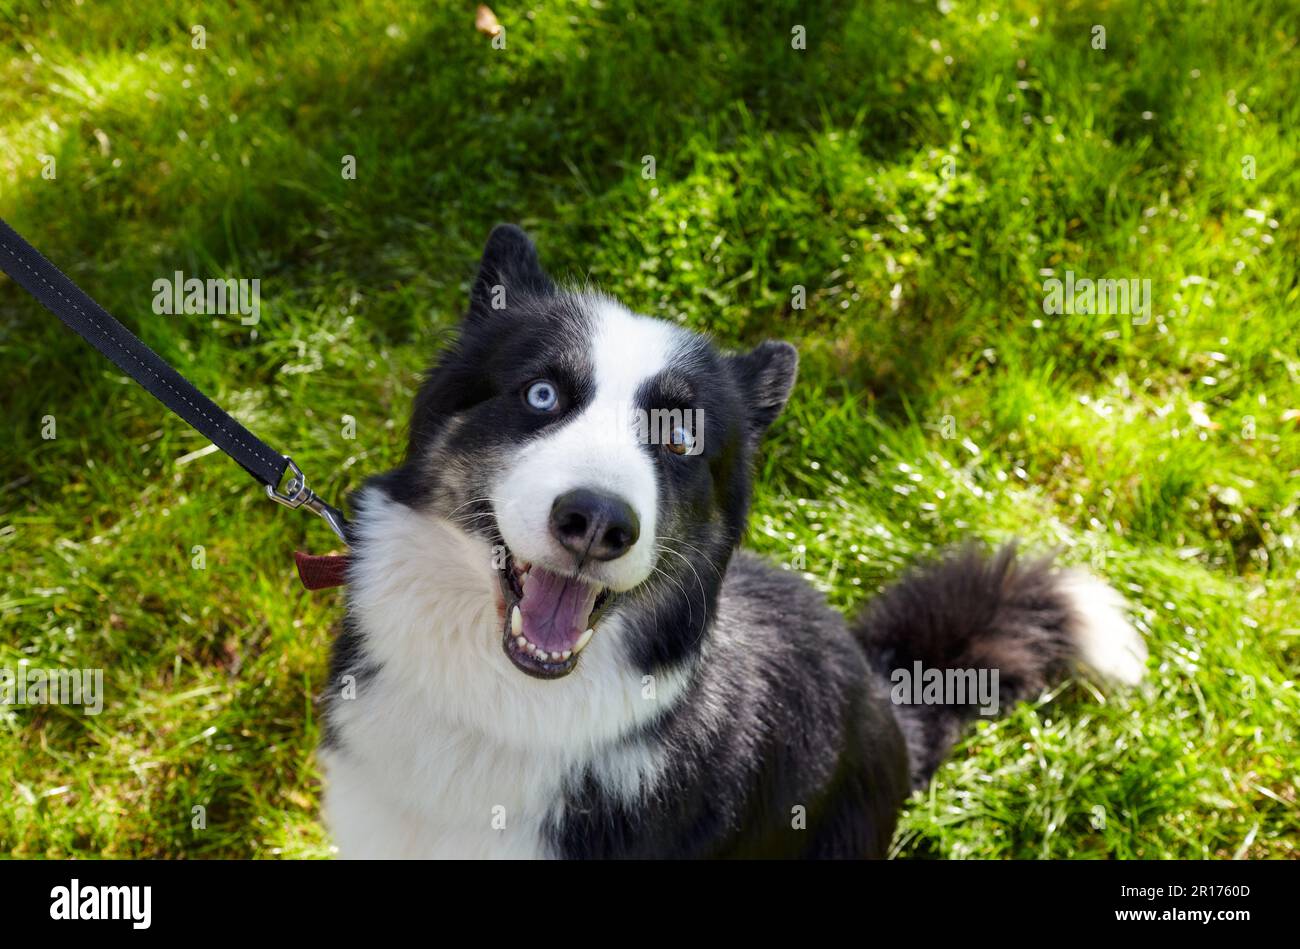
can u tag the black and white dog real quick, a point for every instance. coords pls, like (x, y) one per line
(553, 648)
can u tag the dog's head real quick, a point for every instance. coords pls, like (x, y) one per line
(605, 458)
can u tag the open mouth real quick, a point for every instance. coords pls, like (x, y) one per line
(549, 618)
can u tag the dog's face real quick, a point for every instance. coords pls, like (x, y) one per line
(604, 456)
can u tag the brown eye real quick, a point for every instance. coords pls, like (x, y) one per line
(680, 442)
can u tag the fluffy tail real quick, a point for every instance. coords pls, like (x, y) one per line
(970, 622)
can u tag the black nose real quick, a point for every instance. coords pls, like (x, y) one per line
(595, 525)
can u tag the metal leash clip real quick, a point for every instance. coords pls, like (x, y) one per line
(297, 495)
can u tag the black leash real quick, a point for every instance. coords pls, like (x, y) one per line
(58, 294)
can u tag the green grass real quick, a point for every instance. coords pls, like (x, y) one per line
(937, 400)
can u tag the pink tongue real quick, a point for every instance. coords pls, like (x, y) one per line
(555, 609)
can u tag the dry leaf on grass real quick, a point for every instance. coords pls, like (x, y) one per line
(485, 21)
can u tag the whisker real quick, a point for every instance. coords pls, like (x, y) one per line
(688, 563)
(685, 595)
(706, 558)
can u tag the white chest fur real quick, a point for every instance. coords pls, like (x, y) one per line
(449, 750)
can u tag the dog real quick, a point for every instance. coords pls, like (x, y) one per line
(554, 647)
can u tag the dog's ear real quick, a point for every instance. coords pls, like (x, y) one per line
(509, 266)
(766, 375)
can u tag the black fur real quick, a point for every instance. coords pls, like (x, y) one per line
(784, 714)
(969, 612)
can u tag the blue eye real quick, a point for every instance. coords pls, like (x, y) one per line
(542, 396)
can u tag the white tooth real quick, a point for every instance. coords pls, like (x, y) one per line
(516, 621)
(566, 654)
(521, 642)
(581, 644)
(555, 657)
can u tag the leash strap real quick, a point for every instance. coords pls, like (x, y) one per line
(58, 294)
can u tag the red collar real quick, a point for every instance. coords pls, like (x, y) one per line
(317, 572)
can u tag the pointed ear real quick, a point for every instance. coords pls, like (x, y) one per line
(509, 265)
(766, 375)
